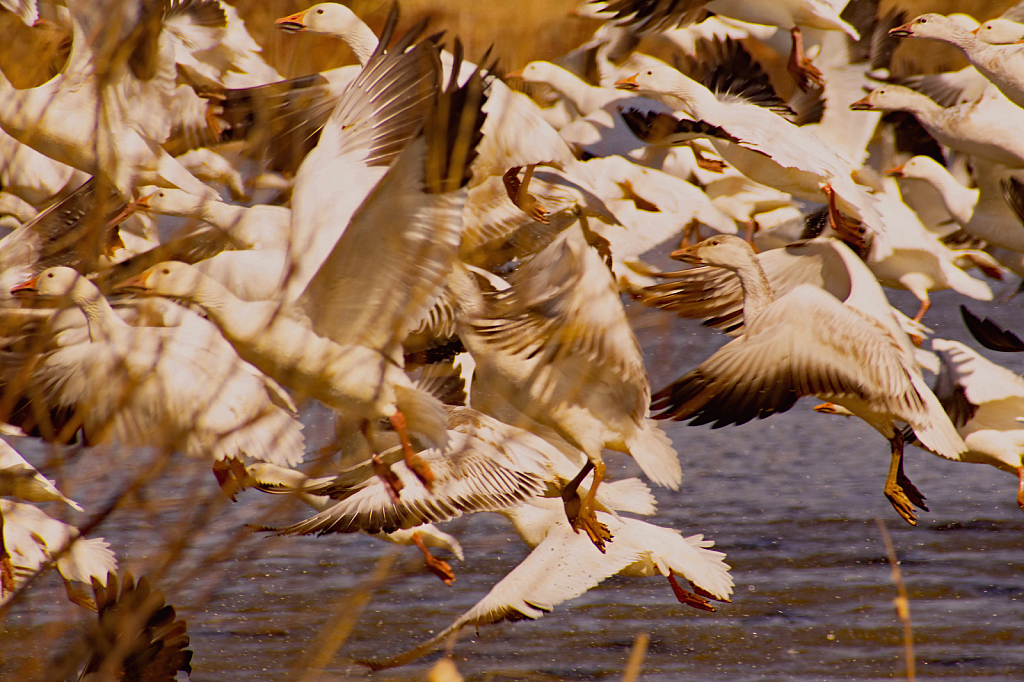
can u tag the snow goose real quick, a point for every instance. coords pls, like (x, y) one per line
(563, 565)
(958, 200)
(20, 479)
(271, 478)
(117, 116)
(788, 15)
(515, 133)
(1001, 64)
(376, 118)
(337, 21)
(987, 129)
(257, 269)
(760, 144)
(715, 294)
(36, 541)
(226, 410)
(32, 176)
(807, 342)
(985, 402)
(556, 347)
(915, 258)
(985, 212)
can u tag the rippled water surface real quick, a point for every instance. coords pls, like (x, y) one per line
(792, 500)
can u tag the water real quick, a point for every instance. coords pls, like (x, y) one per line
(792, 500)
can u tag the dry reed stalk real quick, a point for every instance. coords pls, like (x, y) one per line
(347, 612)
(902, 603)
(636, 657)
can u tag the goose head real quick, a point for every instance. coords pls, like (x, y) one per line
(51, 283)
(654, 78)
(170, 278)
(172, 202)
(917, 168)
(327, 18)
(536, 72)
(888, 98)
(721, 251)
(934, 26)
(1000, 32)
(60, 283)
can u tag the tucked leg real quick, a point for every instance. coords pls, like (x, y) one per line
(79, 597)
(687, 597)
(412, 460)
(901, 492)
(584, 516)
(391, 482)
(805, 74)
(519, 193)
(438, 567)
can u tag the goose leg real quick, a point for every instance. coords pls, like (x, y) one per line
(519, 193)
(79, 597)
(805, 74)
(389, 478)
(438, 567)
(687, 597)
(903, 494)
(925, 305)
(1020, 488)
(412, 460)
(581, 515)
(6, 567)
(706, 162)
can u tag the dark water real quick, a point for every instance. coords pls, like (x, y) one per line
(792, 500)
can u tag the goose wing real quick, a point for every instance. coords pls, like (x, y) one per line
(804, 343)
(390, 265)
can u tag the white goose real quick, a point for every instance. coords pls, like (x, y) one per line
(556, 348)
(1001, 64)
(20, 479)
(34, 540)
(986, 403)
(986, 129)
(112, 131)
(258, 269)
(762, 145)
(271, 478)
(336, 21)
(807, 342)
(563, 565)
(224, 411)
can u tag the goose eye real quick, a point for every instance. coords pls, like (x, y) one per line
(166, 271)
(319, 11)
(650, 73)
(49, 275)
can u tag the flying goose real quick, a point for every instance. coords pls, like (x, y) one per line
(807, 342)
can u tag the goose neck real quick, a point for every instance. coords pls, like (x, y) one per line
(99, 315)
(362, 41)
(757, 292)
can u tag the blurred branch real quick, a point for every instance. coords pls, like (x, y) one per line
(902, 603)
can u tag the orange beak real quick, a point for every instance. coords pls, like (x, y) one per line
(628, 83)
(895, 171)
(826, 408)
(29, 286)
(975, 31)
(687, 255)
(902, 31)
(139, 282)
(131, 208)
(862, 104)
(515, 74)
(293, 23)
